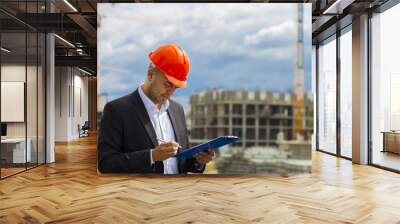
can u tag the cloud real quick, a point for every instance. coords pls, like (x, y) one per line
(225, 42)
(116, 80)
(282, 30)
(114, 69)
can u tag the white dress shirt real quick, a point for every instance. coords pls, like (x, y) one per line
(163, 128)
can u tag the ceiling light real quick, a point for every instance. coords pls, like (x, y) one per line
(70, 5)
(5, 50)
(337, 7)
(65, 41)
(86, 72)
(79, 51)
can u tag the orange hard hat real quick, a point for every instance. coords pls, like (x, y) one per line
(173, 61)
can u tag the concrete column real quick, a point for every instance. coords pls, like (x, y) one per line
(360, 90)
(257, 125)
(63, 110)
(50, 98)
(230, 118)
(50, 91)
(244, 125)
(314, 92)
(92, 99)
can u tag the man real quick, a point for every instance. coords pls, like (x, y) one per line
(141, 132)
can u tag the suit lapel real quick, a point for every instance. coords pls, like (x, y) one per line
(144, 117)
(173, 116)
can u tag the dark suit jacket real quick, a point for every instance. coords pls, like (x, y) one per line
(126, 137)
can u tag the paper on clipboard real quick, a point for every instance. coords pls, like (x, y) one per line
(212, 144)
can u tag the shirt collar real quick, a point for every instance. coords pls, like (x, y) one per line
(150, 106)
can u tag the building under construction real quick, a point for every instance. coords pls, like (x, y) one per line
(257, 117)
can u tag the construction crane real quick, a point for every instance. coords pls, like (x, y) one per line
(298, 90)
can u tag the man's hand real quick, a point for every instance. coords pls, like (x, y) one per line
(164, 150)
(205, 157)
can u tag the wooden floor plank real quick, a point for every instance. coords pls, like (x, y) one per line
(71, 191)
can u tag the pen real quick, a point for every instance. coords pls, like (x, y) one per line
(179, 146)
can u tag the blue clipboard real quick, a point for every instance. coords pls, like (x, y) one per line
(213, 144)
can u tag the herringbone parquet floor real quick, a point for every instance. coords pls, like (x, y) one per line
(70, 191)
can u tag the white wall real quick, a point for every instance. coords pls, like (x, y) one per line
(16, 73)
(13, 94)
(71, 93)
(80, 100)
(61, 103)
(33, 126)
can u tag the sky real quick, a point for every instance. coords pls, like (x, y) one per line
(230, 45)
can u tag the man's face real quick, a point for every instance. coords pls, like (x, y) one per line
(161, 89)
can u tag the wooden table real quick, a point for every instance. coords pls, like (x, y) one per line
(391, 141)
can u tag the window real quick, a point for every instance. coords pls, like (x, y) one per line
(22, 65)
(327, 95)
(250, 121)
(237, 109)
(385, 88)
(261, 109)
(226, 121)
(262, 133)
(250, 109)
(226, 109)
(262, 122)
(274, 122)
(346, 93)
(237, 121)
(251, 133)
(237, 132)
